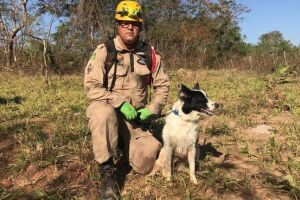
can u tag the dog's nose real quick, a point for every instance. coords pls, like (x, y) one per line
(217, 105)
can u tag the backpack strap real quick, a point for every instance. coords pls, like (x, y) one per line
(152, 66)
(111, 59)
(153, 54)
(150, 57)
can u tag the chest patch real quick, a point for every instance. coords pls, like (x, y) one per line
(141, 61)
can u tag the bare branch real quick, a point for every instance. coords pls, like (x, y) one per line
(50, 27)
(24, 5)
(3, 27)
(15, 32)
(33, 36)
(15, 13)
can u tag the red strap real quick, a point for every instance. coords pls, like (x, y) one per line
(153, 54)
(153, 66)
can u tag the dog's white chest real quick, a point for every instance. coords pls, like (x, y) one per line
(179, 134)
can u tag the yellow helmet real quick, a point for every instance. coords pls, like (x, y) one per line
(129, 11)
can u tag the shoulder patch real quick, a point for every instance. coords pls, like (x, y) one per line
(89, 68)
(100, 46)
(93, 56)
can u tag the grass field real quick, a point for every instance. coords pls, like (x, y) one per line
(45, 148)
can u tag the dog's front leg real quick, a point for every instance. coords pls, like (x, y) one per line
(167, 171)
(192, 164)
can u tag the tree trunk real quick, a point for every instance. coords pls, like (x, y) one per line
(10, 53)
(185, 51)
(11, 58)
(11, 46)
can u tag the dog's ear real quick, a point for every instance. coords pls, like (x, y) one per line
(183, 88)
(196, 87)
(184, 91)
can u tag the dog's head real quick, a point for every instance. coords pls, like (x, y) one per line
(196, 100)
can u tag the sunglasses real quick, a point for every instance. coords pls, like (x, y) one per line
(135, 25)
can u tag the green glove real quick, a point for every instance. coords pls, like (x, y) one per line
(145, 114)
(128, 111)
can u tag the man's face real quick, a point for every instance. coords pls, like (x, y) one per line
(129, 31)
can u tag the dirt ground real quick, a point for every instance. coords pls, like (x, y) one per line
(72, 175)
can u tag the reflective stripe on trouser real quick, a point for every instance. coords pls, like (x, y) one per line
(106, 125)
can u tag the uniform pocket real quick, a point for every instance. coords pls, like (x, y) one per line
(142, 72)
(120, 76)
(121, 70)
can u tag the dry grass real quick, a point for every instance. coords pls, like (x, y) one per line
(45, 150)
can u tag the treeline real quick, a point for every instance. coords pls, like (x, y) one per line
(59, 36)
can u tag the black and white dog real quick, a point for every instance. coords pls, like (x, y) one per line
(181, 131)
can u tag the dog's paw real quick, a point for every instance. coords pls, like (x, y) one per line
(194, 180)
(167, 175)
(154, 170)
(169, 178)
(164, 172)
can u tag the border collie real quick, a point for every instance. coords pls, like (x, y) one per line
(181, 131)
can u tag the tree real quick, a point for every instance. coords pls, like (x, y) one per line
(274, 42)
(14, 18)
(56, 9)
(223, 37)
(97, 17)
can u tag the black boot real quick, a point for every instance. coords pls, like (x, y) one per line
(109, 187)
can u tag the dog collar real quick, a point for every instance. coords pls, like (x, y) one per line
(175, 112)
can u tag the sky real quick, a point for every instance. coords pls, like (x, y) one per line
(266, 16)
(269, 15)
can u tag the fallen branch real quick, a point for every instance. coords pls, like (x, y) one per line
(25, 122)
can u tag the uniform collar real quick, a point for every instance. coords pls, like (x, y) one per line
(120, 45)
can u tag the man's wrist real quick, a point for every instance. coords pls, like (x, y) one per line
(144, 114)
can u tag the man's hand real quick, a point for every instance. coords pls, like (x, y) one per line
(128, 111)
(145, 114)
